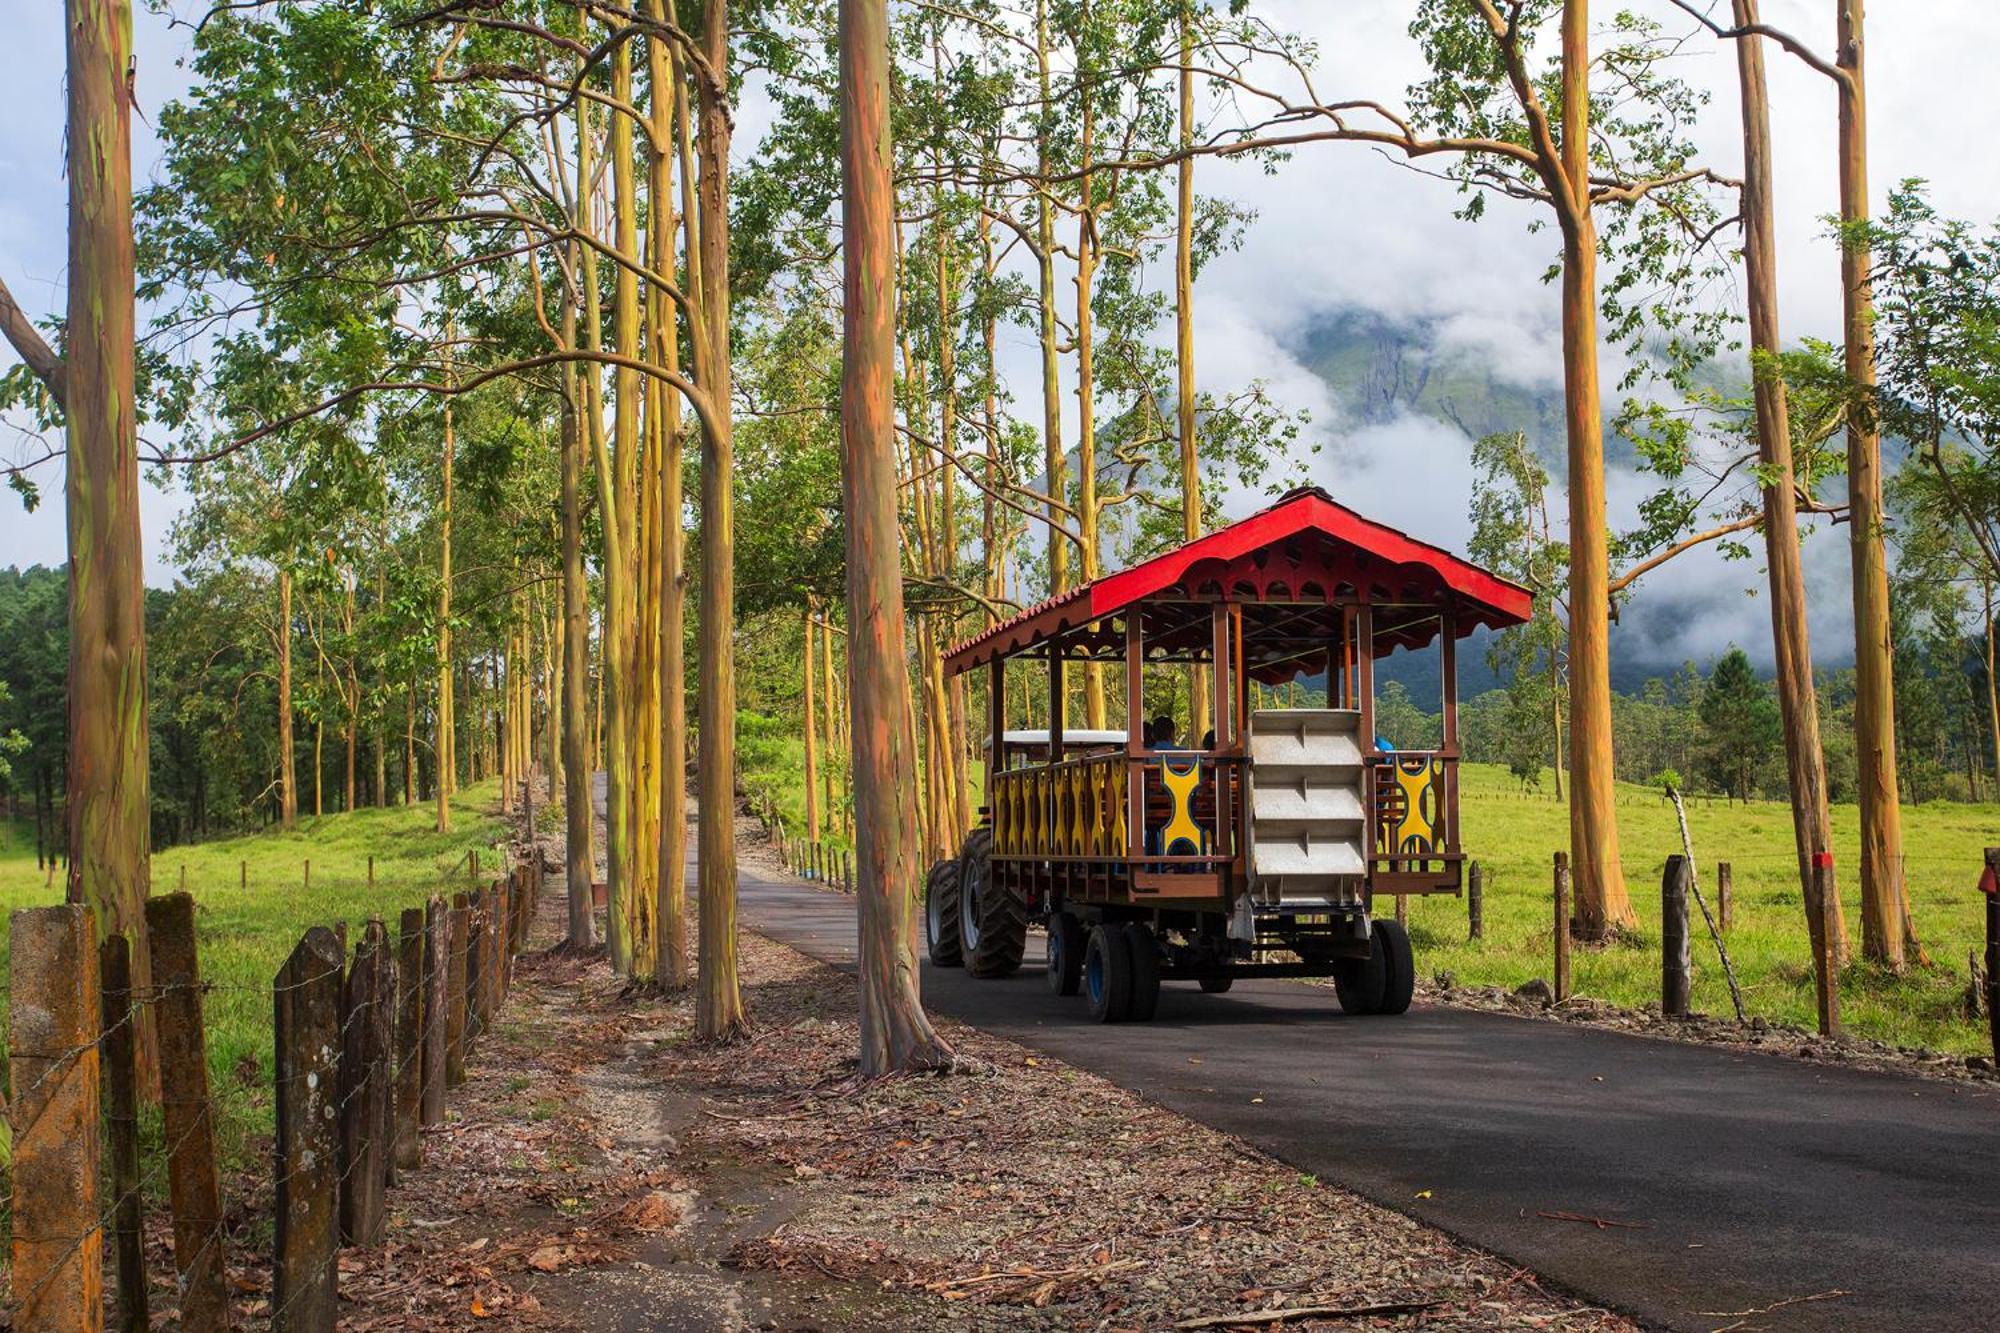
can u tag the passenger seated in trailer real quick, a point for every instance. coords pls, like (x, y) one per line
(1165, 735)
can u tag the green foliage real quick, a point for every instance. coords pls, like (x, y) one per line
(1739, 720)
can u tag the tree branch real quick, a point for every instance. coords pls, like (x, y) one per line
(33, 348)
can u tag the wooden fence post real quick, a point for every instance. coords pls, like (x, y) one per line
(1562, 926)
(187, 1115)
(1989, 883)
(121, 1122)
(456, 1015)
(371, 870)
(1725, 897)
(243, 873)
(1475, 901)
(409, 1081)
(309, 872)
(1826, 978)
(363, 1091)
(306, 998)
(436, 1003)
(1676, 963)
(53, 1009)
(475, 976)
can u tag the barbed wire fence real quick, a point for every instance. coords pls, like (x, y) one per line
(365, 1042)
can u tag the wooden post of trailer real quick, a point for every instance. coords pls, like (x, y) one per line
(1135, 733)
(1219, 682)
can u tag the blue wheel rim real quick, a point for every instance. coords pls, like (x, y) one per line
(1093, 976)
(1055, 952)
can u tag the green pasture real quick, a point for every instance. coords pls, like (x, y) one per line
(1514, 836)
(252, 903)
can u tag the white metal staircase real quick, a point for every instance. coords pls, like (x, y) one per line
(1307, 821)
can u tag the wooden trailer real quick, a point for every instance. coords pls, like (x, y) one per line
(1258, 849)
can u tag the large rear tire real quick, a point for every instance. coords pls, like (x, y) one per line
(1145, 949)
(941, 914)
(1067, 943)
(1361, 982)
(1107, 974)
(1399, 972)
(993, 920)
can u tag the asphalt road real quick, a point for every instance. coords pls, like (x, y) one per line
(1746, 1179)
(1750, 1179)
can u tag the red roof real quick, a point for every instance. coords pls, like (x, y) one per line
(1304, 548)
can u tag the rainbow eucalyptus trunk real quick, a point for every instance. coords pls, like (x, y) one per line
(288, 775)
(895, 1033)
(1598, 879)
(719, 1003)
(1798, 703)
(109, 810)
(578, 862)
(1887, 934)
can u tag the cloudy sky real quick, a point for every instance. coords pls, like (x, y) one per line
(1338, 228)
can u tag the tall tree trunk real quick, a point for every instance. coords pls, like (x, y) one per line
(579, 861)
(1045, 256)
(719, 1005)
(1198, 693)
(1884, 897)
(670, 917)
(288, 764)
(1597, 877)
(410, 744)
(1797, 699)
(1086, 383)
(109, 807)
(1992, 683)
(811, 728)
(830, 711)
(895, 1033)
(447, 713)
(612, 638)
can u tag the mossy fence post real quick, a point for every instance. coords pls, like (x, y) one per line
(1676, 960)
(409, 1080)
(54, 1005)
(437, 1004)
(121, 1125)
(1725, 896)
(363, 1090)
(1989, 881)
(1562, 926)
(188, 1116)
(1475, 901)
(306, 997)
(458, 943)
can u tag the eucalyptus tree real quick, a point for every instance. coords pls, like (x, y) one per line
(1884, 895)
(895, 1033)
(92, 385)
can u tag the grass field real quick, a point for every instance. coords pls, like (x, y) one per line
(1514, 837)
(245, 931)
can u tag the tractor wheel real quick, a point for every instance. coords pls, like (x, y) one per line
(993, 922)
(1399, 972)
(1215, 983)
(1145, 972)
(1362, 982)
(941, 914)
(1066, 946)
(1107, 974)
